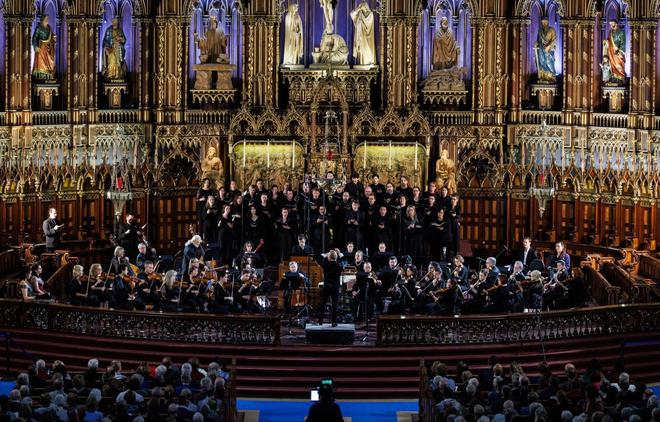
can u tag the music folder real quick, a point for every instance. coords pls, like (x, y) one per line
(291, 281)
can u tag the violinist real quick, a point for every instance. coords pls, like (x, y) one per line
(149, 285)
(559, 255)
(195, 294)
(121, 290)
(460, 273)
(533, 293)
(170, 292)
(118, 259)
(493, 271)
(247, 293)
(401, 297)
(220, 301)
(144, 254)
(497, 296)
(475, 297)
(76, 288)
(97, 286)
(577, 293)
(38, 284)
(292, 280)
(444, 300)
(192, 249)
(359, 261)
(424, 302)
(555, 290)
(515, 286)
(249, 257)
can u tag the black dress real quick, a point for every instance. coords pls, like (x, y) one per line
(412, 237)
(226, 239)
(202, 196)
(210, 224)
(441, 238)
(255, 230)
(286, 235)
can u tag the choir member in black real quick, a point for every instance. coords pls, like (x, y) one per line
(460, 273)
(223, 197)
(364, 291)
(239, 212)
(355, 188)
(497, 296)
(226, 235)
(291, 204)
(129, 235)
(233, 189)
(285, 232)
(251, 195)
(52, 230)
(382, 256)
(353, 222)
(202, 195)
(444, 200)
(331, 283)
(377, 188)
(390, 197)
(302, 248)
(430, 208)
(264, 207)
(149, 286)
(121, 290)
(454, 214)
(348, 256)
(145, 253)
(555, 290)
(118, 259)
(444, 301)
(359, 261)
(192, 249)
(255, 226)
(210, 220)
(404, 188)
(364, 202)
(381, 228)
(412, 233)
(440, 236)
(398, 213)
(559, 255)
(475, 297)
(170, 292)
(320, 236)
(493, 271)
(528, 254)
(417, 200)
(341, 207)
(577, 292)
(292, 280)
(249, 257)
(431, 191)
(76, 289)
(261, 187)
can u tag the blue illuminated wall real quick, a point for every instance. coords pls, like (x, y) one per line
(124, 10)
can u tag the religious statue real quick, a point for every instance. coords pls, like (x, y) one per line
(43, 42)
(328, 16)
(614, 56)
(114, 40)
(212, 168)
(544, 50)
(364, 45)
(293, 36)
(213, 45)
(445, 172)
(445, 47)
(333, 50)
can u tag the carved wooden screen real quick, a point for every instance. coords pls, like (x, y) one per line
(482, 222)
(628, 221)
(89, 217)
(607, 222)
(30, 224)
(67, 213)
(10, 222)
(588, 222)
(520, 210)
(566, 228)
(170, 219)
(644, 223)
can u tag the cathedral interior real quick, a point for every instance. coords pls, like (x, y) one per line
(541, 114)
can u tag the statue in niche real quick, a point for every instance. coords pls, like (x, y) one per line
(114, 40)
(333, 50)
(614, 56)
(445, 47)
(328, 16)
(364, 45)
(213, 45)
(445, 172)
(293, 36)
(43, 42)
(544, 49)
(212, 168)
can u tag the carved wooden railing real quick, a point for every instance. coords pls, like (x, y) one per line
(397, 330)
(55, 117)
(244, 329)
(649, 266)
(57, 282)
(638, 290)
(609, 120)
(230, 410)
(537, 117)
(119, 116)
(444, 118)
(208, 116)
(600, 289)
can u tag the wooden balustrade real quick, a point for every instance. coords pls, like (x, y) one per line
(398, 330)
(602, 292)
(638, 290)
(649, 267)
(242, 329)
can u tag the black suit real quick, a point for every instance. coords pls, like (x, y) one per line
(52, 235)
(298, 251)
(526, 260)
(331, 283)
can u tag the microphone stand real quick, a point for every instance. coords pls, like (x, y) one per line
(366, 313)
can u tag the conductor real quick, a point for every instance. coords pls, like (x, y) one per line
(331, 282)
(52, 230)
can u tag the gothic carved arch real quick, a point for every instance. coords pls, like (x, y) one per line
(364, 123)
(523, 7)
(592, 7)
(139, 7)
(295, 123)
(243, 123)
(333, 88)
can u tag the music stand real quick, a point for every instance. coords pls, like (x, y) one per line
(365, 282)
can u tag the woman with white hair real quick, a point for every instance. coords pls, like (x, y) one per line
(193, 249)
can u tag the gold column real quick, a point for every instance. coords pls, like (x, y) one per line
(643, 32)
(519, 59)
(18, 68)
(169, 68)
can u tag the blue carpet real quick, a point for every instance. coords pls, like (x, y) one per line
(6, 387)
(295, 411)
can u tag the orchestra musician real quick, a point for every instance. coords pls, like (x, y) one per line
(149, 285)
(555, 290)
(515, 287)
(249, 257)
(247, 293)
(170, 292)
(559, 255)
(192, 249)
(120, 290)
(118, 259)
(76, 289)
(294, 279)
(98, 285)
(387, 277)
(52, 230)
(493, 271)
(475, 298)
(435, 282)
(443, 301)
(497, 296)
(402, 299)
(221, 300)
(533, 293)
(460, 273)
(528, 254)
(331, 283)
(37, 283)
(145, 253)
(359, 261)
(129, 235)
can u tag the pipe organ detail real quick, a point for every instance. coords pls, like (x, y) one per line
(543, 114)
